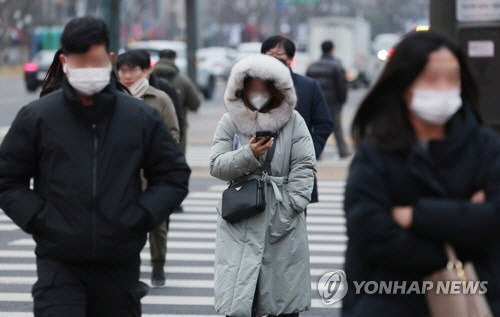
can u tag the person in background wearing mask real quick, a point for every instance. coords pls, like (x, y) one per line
(262, 263)
(85, 145)
(311, 103)
(330, 75)
(133, 71)
(426, 172)
(169, 89)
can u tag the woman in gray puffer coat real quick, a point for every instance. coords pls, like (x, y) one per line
(262, 263)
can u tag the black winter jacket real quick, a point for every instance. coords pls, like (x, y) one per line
(165, 86)
(312, 107)
(438, 183)
(330, 75)
(87, 204)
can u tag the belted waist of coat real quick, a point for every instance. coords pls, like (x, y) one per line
(274, 181)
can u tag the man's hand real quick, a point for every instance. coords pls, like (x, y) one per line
(403, 216)
(260, 148)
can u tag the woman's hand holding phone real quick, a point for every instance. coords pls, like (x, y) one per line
(261, 146)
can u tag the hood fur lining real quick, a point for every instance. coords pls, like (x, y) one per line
(266, 68)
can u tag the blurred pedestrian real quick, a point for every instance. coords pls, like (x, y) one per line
(426, 172)
(330, 75)
(133, 72)
(262, 262)
(85, 144)
(311, 103)
(186, 89)
(166, 69)
(166, 87)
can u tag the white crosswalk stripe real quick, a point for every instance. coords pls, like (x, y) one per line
(151, 300)
(183, 245)
(190, 256)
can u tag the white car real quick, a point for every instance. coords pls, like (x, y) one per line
(218, 59)
(205, 80)
(248, 48)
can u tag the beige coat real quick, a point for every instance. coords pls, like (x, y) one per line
(162, 102)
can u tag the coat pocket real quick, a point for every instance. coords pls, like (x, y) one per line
(135, 220)
(291, 212)
(284, 220)
(55, 224)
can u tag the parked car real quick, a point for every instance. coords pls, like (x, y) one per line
(384, 43)
(219, 60)
(205, 79)
(383, 47)
(36, 69)
(248, 48)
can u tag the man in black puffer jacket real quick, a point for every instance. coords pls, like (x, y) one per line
(330, 75)
(84, 145)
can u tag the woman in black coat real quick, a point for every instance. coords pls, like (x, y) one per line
(426, 172)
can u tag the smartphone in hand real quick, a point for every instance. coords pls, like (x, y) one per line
(263, 134)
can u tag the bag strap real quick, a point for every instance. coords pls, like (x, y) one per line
(454, 264)
(450, 252)
(266, 167)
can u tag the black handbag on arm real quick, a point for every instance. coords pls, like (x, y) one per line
(242, 200)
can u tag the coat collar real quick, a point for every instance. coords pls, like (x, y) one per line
(424, 164)
(168, 67)
(104, 101)
(266, 68)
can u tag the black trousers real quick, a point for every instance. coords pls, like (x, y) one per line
(87, 290)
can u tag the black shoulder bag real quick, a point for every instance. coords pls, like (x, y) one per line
(245, 199)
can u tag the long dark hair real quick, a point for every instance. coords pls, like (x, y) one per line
(383, 114)
(276, 100)
(54, 76)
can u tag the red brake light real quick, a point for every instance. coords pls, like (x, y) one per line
(390, 52)
(30, 67)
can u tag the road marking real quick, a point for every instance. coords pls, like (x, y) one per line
(203, 245)
(158, 300)
(174, 256)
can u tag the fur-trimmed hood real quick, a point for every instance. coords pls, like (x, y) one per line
(266, 68)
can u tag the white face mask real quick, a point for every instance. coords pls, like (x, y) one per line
(88, 81)
(258, 100)
(435, 106)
